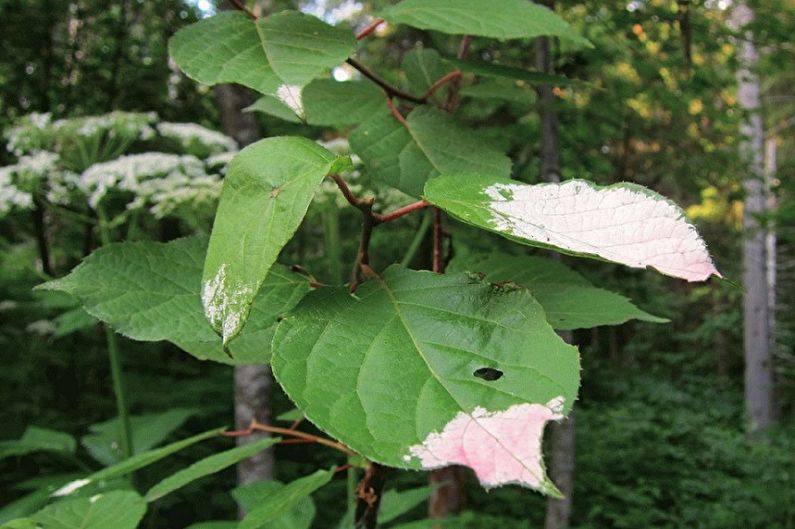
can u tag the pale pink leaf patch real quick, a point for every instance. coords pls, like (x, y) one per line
(624, 223)
(502, 447)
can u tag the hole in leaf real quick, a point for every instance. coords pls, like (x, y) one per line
(488, 373)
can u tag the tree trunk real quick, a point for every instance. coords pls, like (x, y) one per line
(252, 382)
(771, 148)
(561, 435)
(756, 317)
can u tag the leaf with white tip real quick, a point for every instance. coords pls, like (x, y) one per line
(623, 223)
(267, 191)
(425, 364)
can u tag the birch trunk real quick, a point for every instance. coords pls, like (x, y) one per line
(756, 307)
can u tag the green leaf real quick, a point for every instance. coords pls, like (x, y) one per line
(490, 69)
(148, 431)
(506, 19)
(151, 291)
(408, 353)
(432, 144)
(398, 502)
(274, 107)
(500, 89)
(37, 439)
(213, 525)
(623, 223)
(329, 103)
(276, 55)
(423, 67)
(290, 415)
(333, 103)
(20, 523)
(118, 509)
(73, 321)
(209, 465)
(267, 191)
(284, 499)
(570, 301)
(251, 496)
(135, 462)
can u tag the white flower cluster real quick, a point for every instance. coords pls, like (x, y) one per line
(36, 132)
(165, 181)
(17, 181)
(197, 139)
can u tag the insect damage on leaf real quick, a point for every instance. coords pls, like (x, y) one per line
(502, 447)
(224, 306)
(623, 223)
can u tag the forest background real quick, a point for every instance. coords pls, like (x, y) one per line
(666, 432)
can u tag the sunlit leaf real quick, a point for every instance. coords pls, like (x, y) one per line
(623, 223)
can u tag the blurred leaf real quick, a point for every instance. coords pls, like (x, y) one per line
(207, 466)
(37, 439)
(284, 499)
(251, 496)
(116, 509)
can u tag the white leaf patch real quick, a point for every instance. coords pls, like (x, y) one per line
(225, 307)
(624, 223)
(502, 447)
(291, 96)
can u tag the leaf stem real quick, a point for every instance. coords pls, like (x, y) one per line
(114, 355)
(390, 90)
(400, 212)
(396, 112)
(258, 426)
(450, 76)
(369, 28)
(416, 242)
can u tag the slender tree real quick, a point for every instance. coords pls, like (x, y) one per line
(561, 434)
(756, 317)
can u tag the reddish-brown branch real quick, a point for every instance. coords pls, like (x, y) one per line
(438, 241)
(452, 95)
(352, 199)
(396, 112)
(401, 212)
(369, 28)
(455, 74)
(257, 426)
(390, 90)
(368, 496)
(239, 5)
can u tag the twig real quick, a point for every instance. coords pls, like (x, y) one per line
(455, 86)
(363, 255)
(369, 28)
(239, 5)
(400, 212)
(368, 496)
(390, 90)
(257, 426)
(352, 199)
(455, 74)
(438, 241)
(396, 112)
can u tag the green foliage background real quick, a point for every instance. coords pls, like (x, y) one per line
(660, 439)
